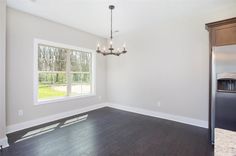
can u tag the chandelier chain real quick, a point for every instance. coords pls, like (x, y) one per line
(111, 24)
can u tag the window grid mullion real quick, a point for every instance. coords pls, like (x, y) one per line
(90, 73)
(81, 75)
(68, 75)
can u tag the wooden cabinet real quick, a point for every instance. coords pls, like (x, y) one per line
(225, 35)
(222, 32)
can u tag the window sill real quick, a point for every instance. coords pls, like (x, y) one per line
(62, 99)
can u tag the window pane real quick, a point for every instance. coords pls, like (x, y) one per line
(80, 61)
(76, 78)
(80, 73)
(75, 60)
(76, 89)
(52, 78)
(85, 62)
(80, 84)
(51, 91)
(52, 85)
(51, 59)
(86, 85)
(86, 88)
(75, 84)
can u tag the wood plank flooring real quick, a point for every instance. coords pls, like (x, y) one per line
(110, 132)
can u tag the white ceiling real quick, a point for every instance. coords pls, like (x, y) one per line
(93, 15)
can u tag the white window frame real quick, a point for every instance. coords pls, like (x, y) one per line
(66, 98)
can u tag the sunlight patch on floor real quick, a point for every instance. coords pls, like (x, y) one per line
(52, 127)
(38, 132)
(74, 120)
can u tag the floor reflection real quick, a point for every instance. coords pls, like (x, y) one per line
(52, 127)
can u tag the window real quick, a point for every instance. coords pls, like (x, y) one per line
(63, 71)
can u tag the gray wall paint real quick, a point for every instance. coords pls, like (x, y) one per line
(22, 28)
(2, 68)
(167, 61)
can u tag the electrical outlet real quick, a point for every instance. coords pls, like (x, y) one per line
(20, 112)
(158, 103)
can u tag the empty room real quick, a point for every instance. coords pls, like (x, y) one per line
(117, 77)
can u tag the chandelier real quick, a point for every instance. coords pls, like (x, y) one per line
(111, 50)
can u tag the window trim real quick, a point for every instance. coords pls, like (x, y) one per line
(66, 98)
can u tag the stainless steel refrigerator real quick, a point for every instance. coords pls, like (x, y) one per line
(223, 90)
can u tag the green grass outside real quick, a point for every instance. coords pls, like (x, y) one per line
(47, 92)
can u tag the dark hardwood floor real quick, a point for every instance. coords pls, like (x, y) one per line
(110, 132)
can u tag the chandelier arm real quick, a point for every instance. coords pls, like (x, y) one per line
(111, 53)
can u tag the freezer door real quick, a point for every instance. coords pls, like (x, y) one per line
(225, 111)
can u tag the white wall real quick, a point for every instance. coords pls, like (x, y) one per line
(2, 69)
(22, 28)
(167, 61)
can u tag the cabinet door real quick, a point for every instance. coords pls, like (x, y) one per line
(224, 35)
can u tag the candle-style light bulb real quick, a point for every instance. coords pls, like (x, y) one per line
(118, 49)
(104, 49)
(111, 43)
(124, 45)
(98, 46)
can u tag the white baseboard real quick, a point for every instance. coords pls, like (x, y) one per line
(4, 142)
(36, 122)
(181, 119)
